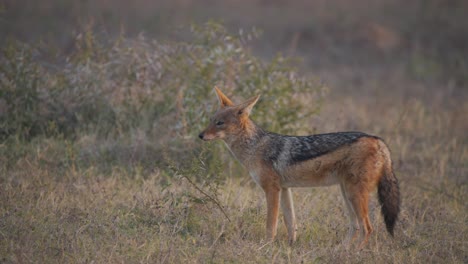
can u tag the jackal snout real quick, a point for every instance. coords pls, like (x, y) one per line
(201, 136)
(208, 135)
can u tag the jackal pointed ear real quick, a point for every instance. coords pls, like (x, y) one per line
(223, 99)
(246, 107)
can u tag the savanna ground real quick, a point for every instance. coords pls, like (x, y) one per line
(100, 160)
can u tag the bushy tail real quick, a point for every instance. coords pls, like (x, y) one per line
(389, 198)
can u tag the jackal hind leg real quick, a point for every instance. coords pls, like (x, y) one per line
(287, 206)
(353, 221)
(360, 203)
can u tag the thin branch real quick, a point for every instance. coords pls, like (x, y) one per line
(209, 196)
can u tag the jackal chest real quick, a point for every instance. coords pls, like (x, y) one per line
(262, 174)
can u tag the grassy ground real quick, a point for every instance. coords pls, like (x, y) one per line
(111, 170)
(55, 211)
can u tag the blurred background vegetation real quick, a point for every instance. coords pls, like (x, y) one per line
(111, 67)
(430, 37)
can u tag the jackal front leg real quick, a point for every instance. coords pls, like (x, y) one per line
(272, 197)
(288, 211)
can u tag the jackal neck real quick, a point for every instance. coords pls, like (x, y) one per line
(244, 144)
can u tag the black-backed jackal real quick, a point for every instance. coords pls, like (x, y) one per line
(358, 162)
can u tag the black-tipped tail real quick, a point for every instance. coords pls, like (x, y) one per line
(389, 198)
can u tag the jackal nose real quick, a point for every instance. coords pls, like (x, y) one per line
(200, 136)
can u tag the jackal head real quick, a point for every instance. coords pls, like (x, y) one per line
(230, 120)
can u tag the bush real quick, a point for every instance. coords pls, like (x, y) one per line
(19, 96)
(162, 90)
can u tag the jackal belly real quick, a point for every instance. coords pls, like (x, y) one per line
(311, 173)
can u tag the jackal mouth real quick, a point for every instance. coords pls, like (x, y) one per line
(205, 138)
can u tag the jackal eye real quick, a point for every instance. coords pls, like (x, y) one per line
(219, 123)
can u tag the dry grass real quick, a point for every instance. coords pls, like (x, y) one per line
(74, 214)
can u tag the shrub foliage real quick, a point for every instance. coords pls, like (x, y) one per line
(115, 86)
(124, 90)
